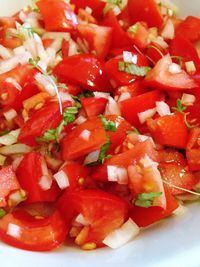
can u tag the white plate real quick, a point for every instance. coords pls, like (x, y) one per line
(174, 242)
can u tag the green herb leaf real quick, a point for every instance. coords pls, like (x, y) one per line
(2, 213)
(145, 200)
(108, 125)
(179, 107)
(133, 69)
(135, 130)
(133, 28)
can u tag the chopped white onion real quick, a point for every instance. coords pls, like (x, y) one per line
(168, 31)
(124, 96)
(88, 10)
(45, 182)
(73, 48)
(61, 179)
(64, 96)
(122, 235)
(181, 210)
(5, 53)
(92, 157)
(112, 107)
(190, 67)
(85, 135)
(14, 83)
(15, 149)
(147, 162)
(188, 100)
(127, 56)
(101, 95)
(117, 174)
(16, 162)
(162, 108)
(10, 138)
(174, 68)
(80, 120)
(143, 116)
(10, 114)
(16, 197)
(45, 83)
(44, 168)
(81, 220)
(55, 35)
(160, 41)
(8, 64)
(14, 230)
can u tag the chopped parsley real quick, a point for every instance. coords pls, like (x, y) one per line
(145, 200)
(133, 69)
(108, 125)
(181, 109)
(135, 130)
(2, 213)
(133, 28)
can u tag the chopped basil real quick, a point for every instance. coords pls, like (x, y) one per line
(108, 125)
(135, 130)
(133, 69)
(2, 213)
(145, 200)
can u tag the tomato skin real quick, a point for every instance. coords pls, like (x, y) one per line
(154, 52)
(9, 184)
(97, 6)
(73, 146)
(134, 89)
(140, 38)
(146, 216)
(190, 27)
(193, 151)
(65, 48)
(62, 18)
(119, 78)
(180, 46)
(94, 106)
(145, 10)
(103, 211)
(29, 173)
(119, 36)
(98, 38)
(160, 77)
(164, 132)
(131, 107)
(35, 234)
(125, 159)
(42, 120)
(91, 71)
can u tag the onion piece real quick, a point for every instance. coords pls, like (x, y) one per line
(174, 68)
(188, 100)
(13, 230)
(45, 83)
(101, 95)
(162, 108)
(15, 149)
(16, 162)
(16, 198)
(160, 41)
(81, 220)
(10, 114)
(181, 210)
(85, 135)
(117, 174)
(10, 138)
(5, 53)
(143, 116)
(92, 157)
(124, 96)
(112, 107)
(168, 31)
(80, 120)
(8, 64)
(190, 67)
(2, 160)
(127, 56)
(122, 235)
(55, 35)
(14, 83)
(45, 182)
(62, 179)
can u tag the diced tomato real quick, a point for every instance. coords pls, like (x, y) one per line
(155, 52)
(164, 132)
(74, 145)
(133, 89)
(96, 6)
(94, 106)
(131, 107)
(146, 216)
(125, 159)
(180, 46)
(9, 184)
(140, 36)
(42, 120)
(32, 233)
(119, 78)
(97, 37)
(58, 15)
(29, 173)
(103, 211)
(65, 48)
(74, 172)
(145, 10)
(84, 16)
(193, 150)
(190, 28)
(119, 36)
(117, 138)
(162, 77)
(91, 73)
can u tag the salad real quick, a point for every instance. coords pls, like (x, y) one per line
(99, 121)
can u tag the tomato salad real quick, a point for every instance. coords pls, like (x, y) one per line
(99, 121)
